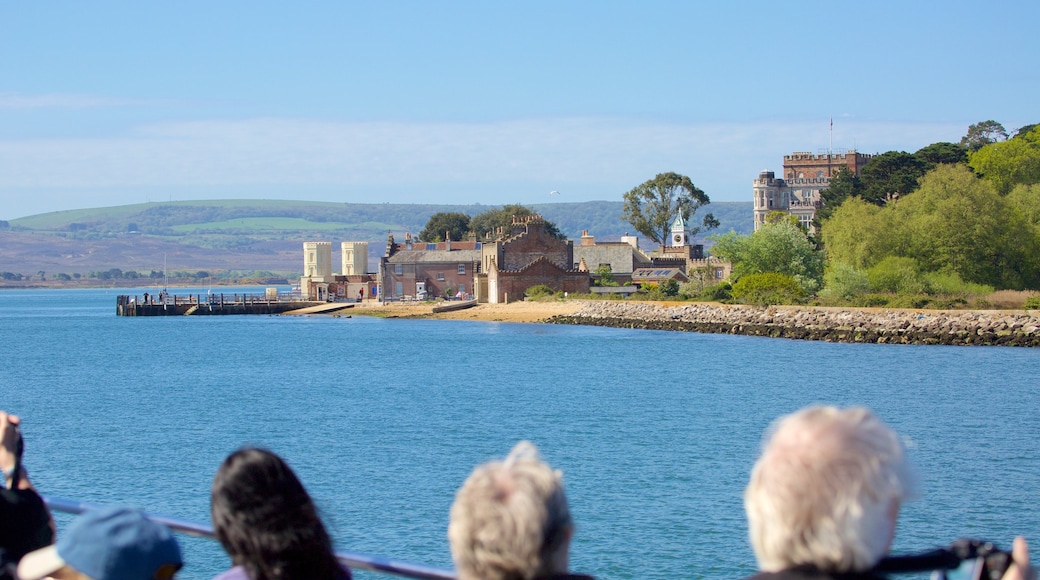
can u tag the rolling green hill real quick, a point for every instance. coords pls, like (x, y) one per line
(256, 235)
(195, 221)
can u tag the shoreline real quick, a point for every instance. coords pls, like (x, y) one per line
(830, 324)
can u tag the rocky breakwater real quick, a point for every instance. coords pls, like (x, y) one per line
(953, 327)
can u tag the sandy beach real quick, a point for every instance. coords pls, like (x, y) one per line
(512, 312)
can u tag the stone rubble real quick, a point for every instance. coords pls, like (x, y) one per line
(891, 326)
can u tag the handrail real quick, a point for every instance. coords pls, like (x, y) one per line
(349, 559)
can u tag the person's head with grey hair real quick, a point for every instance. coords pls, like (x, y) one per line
(826, 491)
(510, 520)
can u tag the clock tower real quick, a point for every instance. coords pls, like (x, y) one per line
(680, 237)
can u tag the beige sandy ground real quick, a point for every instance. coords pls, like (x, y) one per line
(513, 312)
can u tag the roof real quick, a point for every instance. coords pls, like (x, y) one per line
(651, 274)
(434, 256)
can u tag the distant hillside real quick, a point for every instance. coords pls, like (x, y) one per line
(262, 234)
(271, 219)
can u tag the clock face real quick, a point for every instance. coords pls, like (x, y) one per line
(678, 238)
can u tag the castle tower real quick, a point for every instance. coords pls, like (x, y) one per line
(770, 195)
(317, 259)
(353, 258)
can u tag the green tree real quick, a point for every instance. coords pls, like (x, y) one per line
(983, 133)
(782, 247)
(604, 275)
(856, 234)
(957, 222)
(942, 152)
(1025, 199)
(1009, 163)
(890, 175)
(843, 185)
(701, 277)
(1024, 130)
(491, 220)
(775, 217)
(456, 224)
(669, 287)
(844, 282)
(652, 206)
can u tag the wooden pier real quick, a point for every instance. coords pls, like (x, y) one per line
(163, 304)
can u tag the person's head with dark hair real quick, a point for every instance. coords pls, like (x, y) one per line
(267, 523)
(25, 522)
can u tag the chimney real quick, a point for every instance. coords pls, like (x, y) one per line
(586, 239)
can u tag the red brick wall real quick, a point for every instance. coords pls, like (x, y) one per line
(514, 284)
(525, 249)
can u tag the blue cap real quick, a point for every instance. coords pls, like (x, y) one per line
(110, 543)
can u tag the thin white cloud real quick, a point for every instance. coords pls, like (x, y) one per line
(594, 158)
(9, 100)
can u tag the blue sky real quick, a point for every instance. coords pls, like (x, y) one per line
(107, 103)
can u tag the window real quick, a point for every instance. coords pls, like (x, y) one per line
(819, 175)
(398, 288)
(462, 288)
(398, 269)
(718, 273)
(440, 275)
(462, 268)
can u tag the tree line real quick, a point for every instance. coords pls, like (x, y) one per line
(950, 219)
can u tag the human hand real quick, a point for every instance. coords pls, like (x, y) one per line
(1020, 569)
(9, 437)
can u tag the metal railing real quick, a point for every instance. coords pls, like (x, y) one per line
(349, 559)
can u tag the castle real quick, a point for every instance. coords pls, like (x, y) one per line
(797, 193)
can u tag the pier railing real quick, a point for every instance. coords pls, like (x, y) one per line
(165, 304)
(349, 559)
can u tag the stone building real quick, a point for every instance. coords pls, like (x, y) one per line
(622, 257)
(797, 193)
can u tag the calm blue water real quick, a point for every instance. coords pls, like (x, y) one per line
(383, 420)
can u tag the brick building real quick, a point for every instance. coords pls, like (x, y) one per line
(527, 255)
(417, 270)
(804, 176)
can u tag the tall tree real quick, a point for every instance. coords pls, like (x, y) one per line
(983, 133)
(652, 206)
(491, 220)
(890, 175)
(455, 224)
(781, 247)
(1009, 163)
(843, 185)
(942, 152)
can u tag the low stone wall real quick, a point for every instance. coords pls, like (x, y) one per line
(954, 327)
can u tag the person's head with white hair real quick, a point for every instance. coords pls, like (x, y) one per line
(826, 491)
(510, 520)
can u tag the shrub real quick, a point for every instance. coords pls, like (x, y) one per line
(1032, 303)
(669, 287)
(539, 291)
(718, 292)
(872, 300)
(897, 275)
(844, 282)
(951, 283)
(768, 288)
